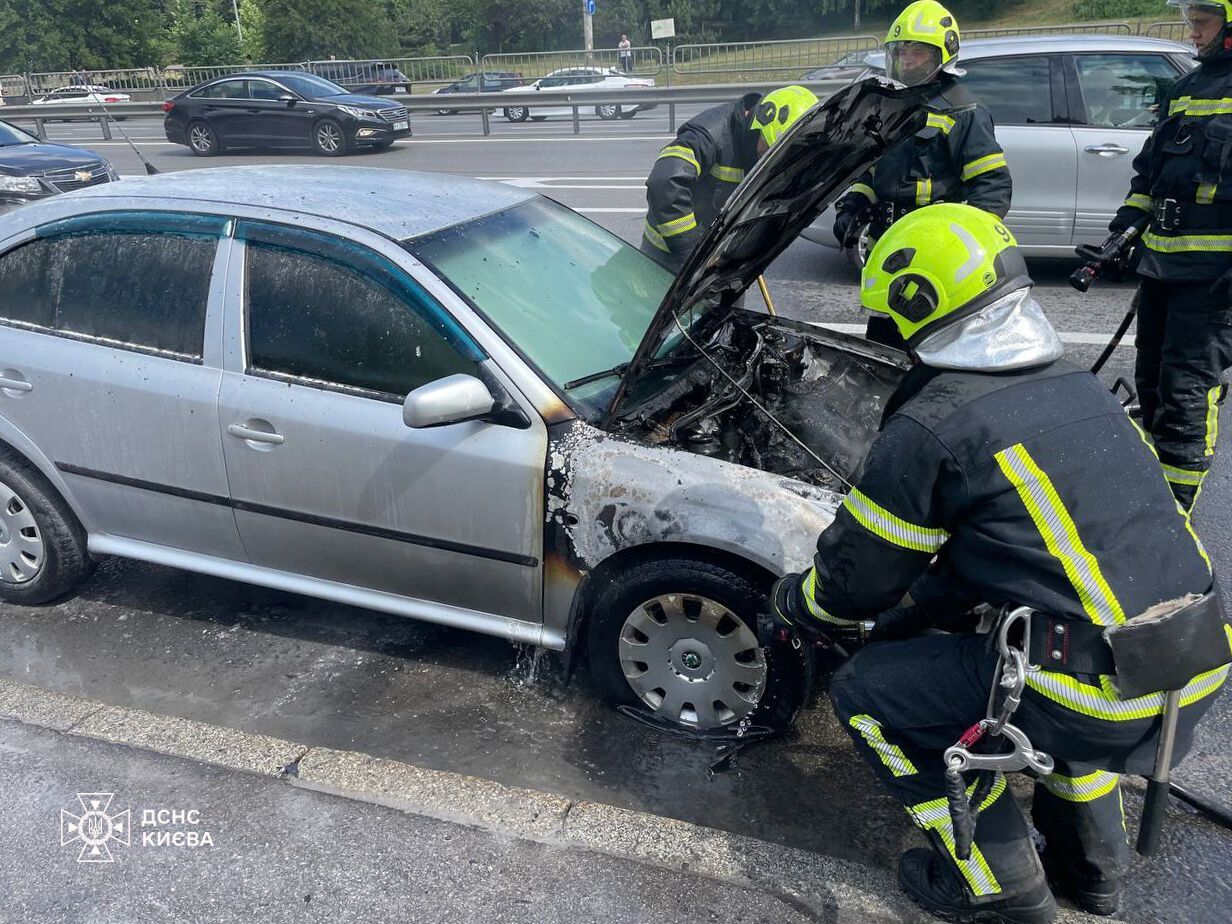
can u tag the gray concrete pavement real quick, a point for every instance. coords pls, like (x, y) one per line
(280, 853)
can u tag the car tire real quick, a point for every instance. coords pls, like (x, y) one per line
(857, 255)
(329, 138)
(42, 545)
(202, 139)
(516, 113)
(706, 645)
(608, 112)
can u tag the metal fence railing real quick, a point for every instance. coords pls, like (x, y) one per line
(177, 78)
(1080, 28)
(640, 62)
(123, 80)
(750, 59)
(1176, 31)
(13, 85)
(396, 75)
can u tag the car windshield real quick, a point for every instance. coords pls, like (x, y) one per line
(310, 85)
(11, 134)
(572, 297)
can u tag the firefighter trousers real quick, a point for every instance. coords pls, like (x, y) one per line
(905, 702)
(1184, 345)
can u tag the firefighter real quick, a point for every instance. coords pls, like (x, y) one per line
(1183, 181)
(694, 175)
(955, 158)
(1002, 474)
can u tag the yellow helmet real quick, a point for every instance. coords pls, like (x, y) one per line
(940, 264)
(1224, 5)
(927, 23)
(779, 110)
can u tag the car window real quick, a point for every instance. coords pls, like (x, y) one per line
(314, 316)
(554, 81)
(140, 289)
(1123, 91)
(227, 89)
(466, 84)
(263, 89)
(1016, 90)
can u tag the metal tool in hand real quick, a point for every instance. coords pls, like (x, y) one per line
(1010, 681)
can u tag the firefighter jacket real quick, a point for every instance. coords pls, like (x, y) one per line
(955, 158)
(1183, 179)
(1023, 488)
(694, 175)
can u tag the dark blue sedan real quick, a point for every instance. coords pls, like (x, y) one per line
(32, 169)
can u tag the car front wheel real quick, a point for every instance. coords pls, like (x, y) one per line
(516, 113)
(857, 253)
(329, 138)
(677, 638)
(42, 546)
(202, 140)
(608, 112)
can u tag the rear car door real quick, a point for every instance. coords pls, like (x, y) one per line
(224, 105)
(109, 371)
(1114, 104)
(326, 479)
(1025, 94)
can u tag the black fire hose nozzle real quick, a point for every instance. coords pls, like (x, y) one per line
(1083, 277)
(961, 816)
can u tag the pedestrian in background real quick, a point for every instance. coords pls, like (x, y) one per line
(626, 54)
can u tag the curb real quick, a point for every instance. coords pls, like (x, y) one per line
(820, 887)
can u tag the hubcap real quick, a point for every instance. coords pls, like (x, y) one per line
(21, 544)
(200, 138)
(692, 660)
(328, 137)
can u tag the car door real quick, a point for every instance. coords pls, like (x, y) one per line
(224, 105)
(1025, 94)
(271, 121)
(109, 372)
(326, 479)
(1114, 105)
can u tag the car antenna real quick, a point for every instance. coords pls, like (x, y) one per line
(757, 404)
(150, 169)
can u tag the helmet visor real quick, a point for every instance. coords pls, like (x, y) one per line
(1197, 12)
(912, 63)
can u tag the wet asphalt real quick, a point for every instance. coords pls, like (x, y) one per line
(324, 674)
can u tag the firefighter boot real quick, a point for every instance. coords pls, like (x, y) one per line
(935, 887)
(1093, 894)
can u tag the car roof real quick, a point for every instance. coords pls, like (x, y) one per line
(396, 203)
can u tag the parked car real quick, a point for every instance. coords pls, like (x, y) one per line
(81, 95)
(281, 109)
(578, 78)
(371, 78)
(1071, 112)
(359, 387)
(849, 66)
(493, 82)
(31, 169)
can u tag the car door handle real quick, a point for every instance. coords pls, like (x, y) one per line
(244, 432)
(1106, 150)
(13, 384)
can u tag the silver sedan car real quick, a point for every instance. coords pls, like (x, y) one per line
(442, 398)
(1071, 113)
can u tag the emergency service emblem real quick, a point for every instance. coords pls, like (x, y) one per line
(94, 827)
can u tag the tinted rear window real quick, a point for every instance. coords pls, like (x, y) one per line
(1017, 91)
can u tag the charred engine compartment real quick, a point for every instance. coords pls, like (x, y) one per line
(826, 389)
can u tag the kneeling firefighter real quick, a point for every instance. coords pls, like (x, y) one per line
(694, 175)
(1004, 474)
(1183, 182)
(955, 158)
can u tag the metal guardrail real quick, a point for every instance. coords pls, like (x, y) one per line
(13, 85)
(1080, 28)
(766, 57)
(643, 61)
(1176, 31)
(487, 103)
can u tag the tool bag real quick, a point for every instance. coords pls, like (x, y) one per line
(1170, 644)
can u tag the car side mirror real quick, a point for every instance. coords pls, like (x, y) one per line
(288, 99)
(450, 400)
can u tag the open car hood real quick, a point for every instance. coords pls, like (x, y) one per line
(810, 166)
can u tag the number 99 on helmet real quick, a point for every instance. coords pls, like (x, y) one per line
(939, 265)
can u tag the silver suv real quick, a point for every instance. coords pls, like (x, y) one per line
(1071, 112)
(445, 399)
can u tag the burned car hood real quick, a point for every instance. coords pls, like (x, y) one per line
(810, 167)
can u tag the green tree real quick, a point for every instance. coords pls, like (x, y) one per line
(252, 19)
(200, 36)
(298, 30)
(94, 34)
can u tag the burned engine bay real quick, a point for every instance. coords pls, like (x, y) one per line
(826, 388)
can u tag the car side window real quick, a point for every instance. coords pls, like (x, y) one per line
(132, 280)
(1016, 90)
(1123, 90)
(335, 316)
(262, 89)
(228, 89)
